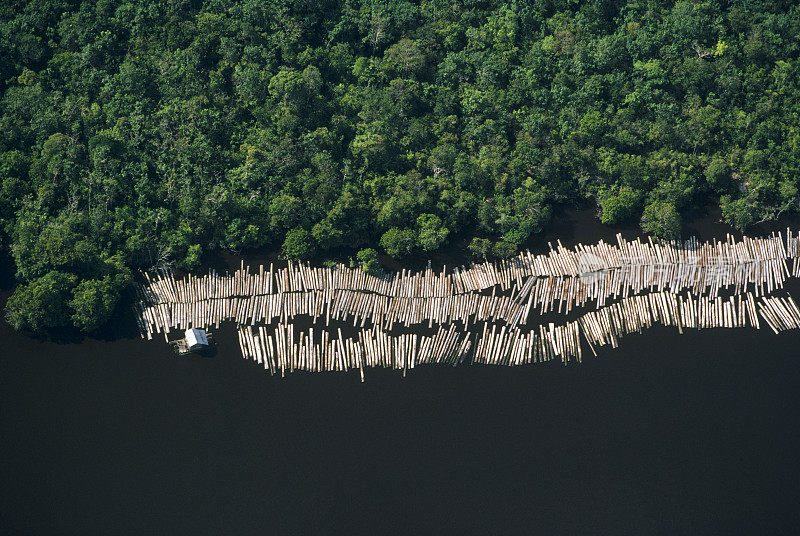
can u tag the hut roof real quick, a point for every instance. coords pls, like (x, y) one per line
(195, 337)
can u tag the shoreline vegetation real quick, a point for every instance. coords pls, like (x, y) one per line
(137, 135)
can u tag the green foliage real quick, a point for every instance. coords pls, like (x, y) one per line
(43, 303)
(618, 206)
(286, 212)
(94, 302)
(299, 244)
(718, 175)
(368, 261)
(398, 242)
(40, 245)
(504, 249)
(148, 133)
(526, 212)
(737, 212)
(662, 219)
(431, 232)
(192, 259)
(480, 248)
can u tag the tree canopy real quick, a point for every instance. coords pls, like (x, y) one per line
(141, 133)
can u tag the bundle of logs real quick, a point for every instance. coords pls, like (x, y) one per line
(503, 345)
(484, 313)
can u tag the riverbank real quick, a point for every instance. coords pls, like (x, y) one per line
(686, 434)
(570, 225)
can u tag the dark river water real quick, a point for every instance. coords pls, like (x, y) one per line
(669, 434)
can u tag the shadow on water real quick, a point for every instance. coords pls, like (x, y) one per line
(571, 224)
(6, 272)
(669, 434)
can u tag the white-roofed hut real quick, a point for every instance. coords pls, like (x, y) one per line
(196, 339)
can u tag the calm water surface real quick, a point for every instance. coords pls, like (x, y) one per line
(692, 434)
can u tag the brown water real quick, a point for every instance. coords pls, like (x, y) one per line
(692, 434)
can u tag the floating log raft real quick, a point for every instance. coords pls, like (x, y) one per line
(691, 264)
(779, 313)
(539, 296)
(282, 351)
(286, 351)
(626, 287)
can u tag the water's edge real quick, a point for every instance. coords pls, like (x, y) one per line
(691, 434)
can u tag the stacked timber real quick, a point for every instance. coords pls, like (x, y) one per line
(627, 287)
(587, 276)
(779, 313)
(285, 351)
(678, 265)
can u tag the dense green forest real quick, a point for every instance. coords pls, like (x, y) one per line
(136, 133)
